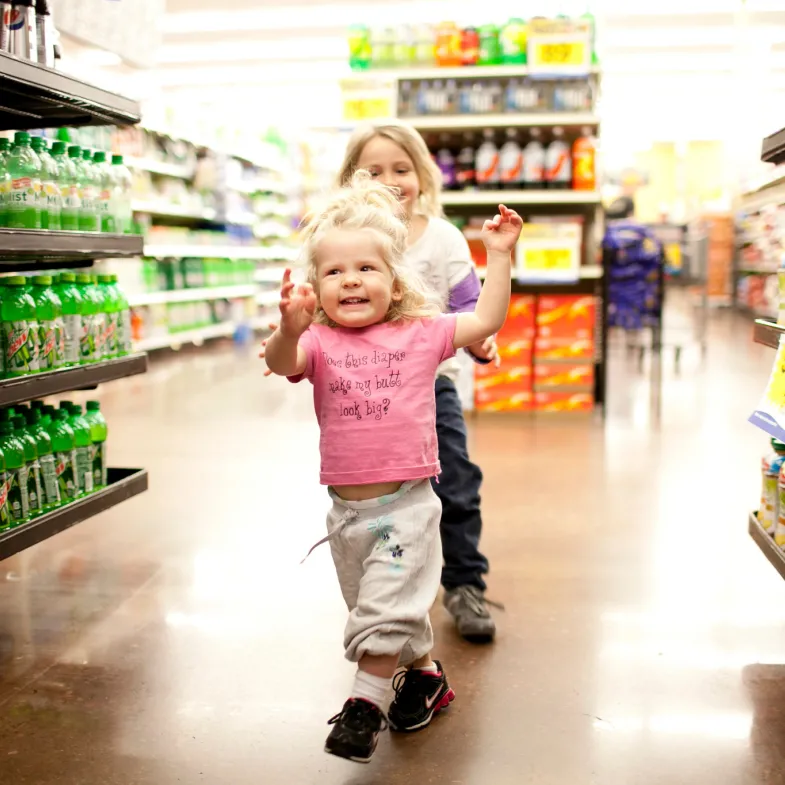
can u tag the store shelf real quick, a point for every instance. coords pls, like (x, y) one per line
(193, 295)
(773, 149)
(41, 385)
(173, 211)
(460, 72)
(259, 187)
(28, 245)
(768, 333)
(512, 120)
(34, 96)
(514, 198)
(269, 275)
(123, 484)
(197, 336)
(766, 543)
(268, 299)
(255, 252)
(178, 171)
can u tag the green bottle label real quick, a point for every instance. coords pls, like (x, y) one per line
(98, 455)
(17, 494)
(64, 468)
(21, 203)
(33, 346)
(49, 480)
(5, 513)
(73, 338)
(16, 341)
(47, 342)
(111, 334)
(59, 342)
(84, 469)
(34, 488)
(99, 334)
(87, 345)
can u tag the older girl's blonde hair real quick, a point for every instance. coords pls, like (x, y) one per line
(408, 139)
(364, 204)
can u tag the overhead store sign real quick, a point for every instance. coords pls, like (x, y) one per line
(560, 47)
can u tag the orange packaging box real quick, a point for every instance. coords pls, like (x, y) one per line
(514, 352)
(563, 402)
(565, 316)
(504, 398)
(563, 350)
(486, 377)
(520, 321)
(548, 375)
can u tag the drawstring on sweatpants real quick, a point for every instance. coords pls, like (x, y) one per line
(348, 517)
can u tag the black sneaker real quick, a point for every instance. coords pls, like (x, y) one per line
(418, 696)
(356, 731)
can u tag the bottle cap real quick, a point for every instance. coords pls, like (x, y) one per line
(42, 280)
(99, 157)
(15, 280)
(22, 137)
(64, 135)
(117, 159)
(87, 155)
(74, 151)
(58, 148)
(93, 406)
(104, 279)
(67, 277)
(84, 278)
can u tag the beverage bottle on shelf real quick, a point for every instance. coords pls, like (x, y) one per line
(445, 160)
(5, 513)
(359, 47)
(470, 46)
(437, 98)
(48, 314)
(104, 182)
(403, 46)
(35, 497)
(121, 196)
(769, 511)
(50, 199)
(490, 51)
(466, 175)
(90, 343)
(448, 45)
(424, 45)
(495, 97)
(24, 166)
(558, 162)
(534, 162)
(584, 162)
(64, 447)
(422, 100)
(70, 185)
(487, 162)
(111, 309)
(43, 442)
(5, 184)
(511, 161)
(16, 471)
(84, 457)
(513, 41)
(71, 302)
(88, 209)
(406, 97)
(124, 345)
(98, 434)
(20, 329)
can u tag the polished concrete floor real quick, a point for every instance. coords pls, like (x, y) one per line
(177, 638)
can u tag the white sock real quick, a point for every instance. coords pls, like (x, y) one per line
(372, 688)
(432, 668)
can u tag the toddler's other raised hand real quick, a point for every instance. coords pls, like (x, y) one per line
(298, 305)
(501, 233)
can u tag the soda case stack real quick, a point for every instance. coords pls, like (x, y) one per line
(62, 187)
(519, 163)
(49, 324)
(49, 457)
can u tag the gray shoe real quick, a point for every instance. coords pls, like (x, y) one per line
(469, 607)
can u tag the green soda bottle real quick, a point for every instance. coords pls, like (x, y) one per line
(19, 327)
(90, 343)
(72, 305)
(52, 199)
(16, 470)
(46, 459)
(111, 309)
(88, 210)
(104, 181)
(122, 183)
(5, 513)
(98, 434)
(48, 312)
(124, 334)
(84, 458)
(70, 186)
(64, 447)
(24, 166)
(34, 495)
(5, 179)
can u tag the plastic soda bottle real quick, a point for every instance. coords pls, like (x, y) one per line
(111, 309)
(71, 187)
(49, 318)
(104, 181)
(24, 166)
(121, 195)
(98, 434)
(90, 342)
(5, 180)
(49, 195)
(84, 458)
(124, 335)
(5, 513)
(16, 471)
(64, 446)
(46, 460)
(19, 327)
(34, 495)
(88, 211)
(72, 305)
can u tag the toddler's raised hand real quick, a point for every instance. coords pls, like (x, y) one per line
(500, 234)
(298, 305)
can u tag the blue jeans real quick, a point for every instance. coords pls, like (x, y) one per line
(459, 490)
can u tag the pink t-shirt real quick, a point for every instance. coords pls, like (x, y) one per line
(373, 391)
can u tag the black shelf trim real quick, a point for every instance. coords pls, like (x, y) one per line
(35, 246)
(768, 333)
(766, 543)
(773, 149)
(32, 95)
(41, 385)
(123, 484)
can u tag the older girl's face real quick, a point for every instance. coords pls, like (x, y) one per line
(389, 164)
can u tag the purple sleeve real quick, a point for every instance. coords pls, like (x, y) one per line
(463, 296)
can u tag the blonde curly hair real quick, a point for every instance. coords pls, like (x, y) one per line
(364, 204)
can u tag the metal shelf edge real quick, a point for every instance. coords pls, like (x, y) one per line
(770, 550)
(768, 333)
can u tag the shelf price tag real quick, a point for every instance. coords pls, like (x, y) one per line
(559, 47)
(549, 252)
(770, 414)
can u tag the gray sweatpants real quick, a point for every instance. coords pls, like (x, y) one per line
(388, 555)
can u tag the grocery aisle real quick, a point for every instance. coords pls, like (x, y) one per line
(176, 638)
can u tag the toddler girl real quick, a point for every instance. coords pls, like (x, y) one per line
(364, 333)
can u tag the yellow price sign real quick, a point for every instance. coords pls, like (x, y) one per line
(548, 259)
(560, 54)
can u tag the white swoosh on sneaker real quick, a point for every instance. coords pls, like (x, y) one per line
(430, 701)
